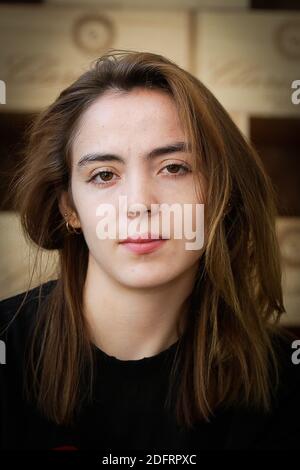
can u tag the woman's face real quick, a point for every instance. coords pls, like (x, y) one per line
(129, 126)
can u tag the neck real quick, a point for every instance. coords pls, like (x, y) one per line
(132, 323)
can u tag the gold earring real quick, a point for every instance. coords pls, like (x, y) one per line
(73, 229)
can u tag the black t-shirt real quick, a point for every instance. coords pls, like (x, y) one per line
(128, 411)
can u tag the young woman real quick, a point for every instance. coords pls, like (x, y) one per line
(146, 344)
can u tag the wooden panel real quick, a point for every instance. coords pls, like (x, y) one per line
(278, 142)
(12, 140)
(47, 47)
(224, 4)
(242, 120)
(288, 230)
(250, 59)
(18, 257)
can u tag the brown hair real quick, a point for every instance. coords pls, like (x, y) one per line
(226, 354)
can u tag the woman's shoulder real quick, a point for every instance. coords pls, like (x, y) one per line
(17, 311)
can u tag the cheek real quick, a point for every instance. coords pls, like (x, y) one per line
(86, 206)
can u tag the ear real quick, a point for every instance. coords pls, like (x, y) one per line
(67, 211)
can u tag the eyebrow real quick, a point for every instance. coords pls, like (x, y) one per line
(109, 157)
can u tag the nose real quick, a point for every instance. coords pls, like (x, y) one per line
(140, 195)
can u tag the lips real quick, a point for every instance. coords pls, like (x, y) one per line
(143, 245)
(147, 238)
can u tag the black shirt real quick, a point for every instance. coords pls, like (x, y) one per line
(128, 408)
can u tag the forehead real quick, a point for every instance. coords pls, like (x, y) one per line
(139, 111)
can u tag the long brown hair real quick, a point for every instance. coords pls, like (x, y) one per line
(226, 354)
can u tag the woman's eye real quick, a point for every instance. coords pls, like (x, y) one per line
(177, 169)
(102, 177)
(105, 177)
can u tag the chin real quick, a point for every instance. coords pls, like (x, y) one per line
(144, 281)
